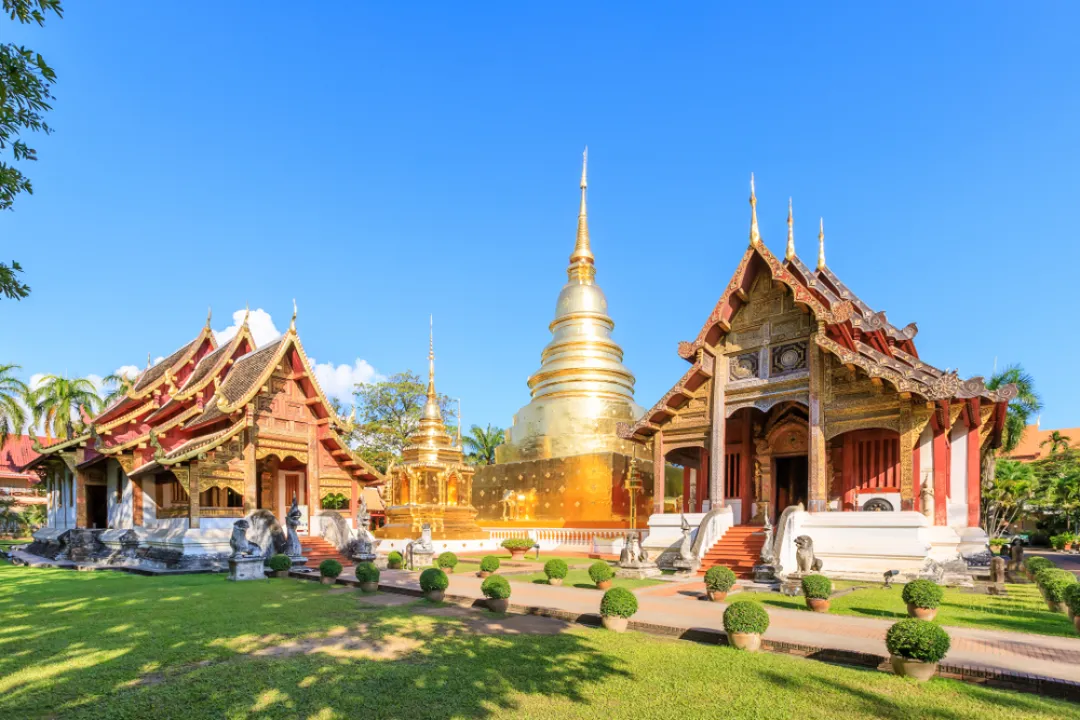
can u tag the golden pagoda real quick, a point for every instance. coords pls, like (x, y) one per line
(563, 463)
(432, 483)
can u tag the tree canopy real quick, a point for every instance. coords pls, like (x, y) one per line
(388, 412)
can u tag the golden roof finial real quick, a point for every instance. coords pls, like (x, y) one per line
(209, 316)
(147, 361)
(821, 245)
(790, 255)
(247, 314)
(431, 407)
(755, 236)
(292, 323)
(582, 252)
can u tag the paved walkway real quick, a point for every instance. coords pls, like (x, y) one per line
(677, 605)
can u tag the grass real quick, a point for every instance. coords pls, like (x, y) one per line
(580, 579)
(1022, 610)
(111, 646)
(505, 558)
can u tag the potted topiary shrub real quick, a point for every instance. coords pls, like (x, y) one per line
(744, 623)
(518, 547)
(394, 560)
(1035, 563)
(1052, 583)
(616, 608)
(556, 571)
(1058, 542)
(497, 590)
(433, 582)
(368, 577)
(488, 565)
(718, 581)
(447, 562)
(280, 565)
(1072, 601)
(601, 573)
(916, 646)
(817, 589)
(923, 598)
(329, 570)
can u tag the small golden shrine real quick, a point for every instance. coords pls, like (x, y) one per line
(432, 484)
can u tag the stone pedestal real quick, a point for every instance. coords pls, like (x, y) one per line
(298, 560)
(791, 585)
(421, 560)
(765, 573)
(639, 573)
(246, 568)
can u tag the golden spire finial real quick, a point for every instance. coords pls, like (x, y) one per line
(790, 255)
(147, 361)
(292, 323)
(431, 407)
(247, 314)
(209, 316)
(582, 251)
(821, 245)
(755, 236)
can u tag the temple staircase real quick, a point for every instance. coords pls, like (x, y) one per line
(739, 549)
(316, 550)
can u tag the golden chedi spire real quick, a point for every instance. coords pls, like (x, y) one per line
(582, 262)
(821, 245)
(755, 235)
(790, 254)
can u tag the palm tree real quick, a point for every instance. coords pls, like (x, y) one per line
(1006, 497)
(12, 396)
(115, 387)
(10, 521)
(1021, 408)
(481, 443)
(62, 402)
(1056, 441)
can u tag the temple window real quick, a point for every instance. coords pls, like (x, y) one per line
(217, 497)
(335, 501)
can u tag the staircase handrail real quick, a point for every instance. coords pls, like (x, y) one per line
(711, 529)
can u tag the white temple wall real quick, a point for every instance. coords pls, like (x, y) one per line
(120, 513)
(958, 480)
(925, 477)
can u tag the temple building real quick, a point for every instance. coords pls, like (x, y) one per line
(432, 485)
(203, 438)
(563, 465)
(798, 393)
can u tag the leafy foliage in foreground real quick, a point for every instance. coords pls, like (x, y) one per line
(918, 640)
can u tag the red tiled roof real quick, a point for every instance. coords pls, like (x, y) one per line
(1031, 442)
(16, 454)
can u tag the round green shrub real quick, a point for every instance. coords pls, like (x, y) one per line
(918, 640)
(395, 558)
(719, 579)
(600, 571)
(367, 572)
(280, 562)
(1053, 581)
(745, 616)
(490, 563)
(330, 568)
(923, 594)
(447, 560)
(1035, 563)
(518, 544)
(618, 602)
(817, 587)
(1058, 542)
(555, 569)
(495, 587)
(433, 579)
(1072, 597)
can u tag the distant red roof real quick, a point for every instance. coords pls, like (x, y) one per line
(15, 454)
(1031, 442)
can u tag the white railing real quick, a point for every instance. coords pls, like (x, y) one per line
(550, 538)
(713, 526)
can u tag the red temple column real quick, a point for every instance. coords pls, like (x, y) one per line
(848, 479)
(941, 467)
(746, 489)
(974, 471)
(703, 479)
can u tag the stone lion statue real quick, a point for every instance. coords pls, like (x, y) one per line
(804, 555)
(241, 546)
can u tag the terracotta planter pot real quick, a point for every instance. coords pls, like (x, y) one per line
(327, 580)
(555, 581)
(280, 573)
(603, 585)
(393, 566)
(715, 595)
(1058, 607)
(482, 574)
(820, 605)
(917, 669)
(447, 570)
(498, 605)
(435, 595)
(369, 587)
(921, 613)
(517, 554)
(615, 623)
(750, 642)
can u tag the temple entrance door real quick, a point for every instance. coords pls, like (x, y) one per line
(791, 481)
(97, 506)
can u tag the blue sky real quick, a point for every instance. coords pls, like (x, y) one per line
(383, 163)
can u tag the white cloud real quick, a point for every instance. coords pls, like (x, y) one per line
(260, 323)
(339, 381)
(127, 371)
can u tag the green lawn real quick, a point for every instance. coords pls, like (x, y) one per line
(1022, 610)
(530, 560)
(579, 579)
(108, 646)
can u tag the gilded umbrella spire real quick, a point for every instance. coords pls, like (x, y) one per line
(790, 255)
(431, 407)
(581, 260)
(755, 236)
(821, 245)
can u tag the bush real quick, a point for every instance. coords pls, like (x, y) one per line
(330, 568)
(367, 572)
(923, 594)
(495, 587)
(600, 571)
(518, 544)
(555, 569)
(745, 616)
(280, 562)
(447, 560)
(998, 542)
(490, 563)
(618, 602)
(1053, 582)
(1058, 542)
(719, 579)
(1072, 597)
(433, 579)
(395, 558)
(1040, 538)
(817, 587)
(1035, 563)
(918, 640)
